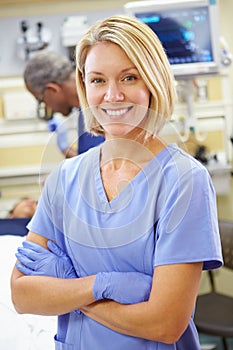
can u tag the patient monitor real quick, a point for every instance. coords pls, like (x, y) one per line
(188, 30)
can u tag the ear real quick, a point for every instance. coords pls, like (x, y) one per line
(54, 87)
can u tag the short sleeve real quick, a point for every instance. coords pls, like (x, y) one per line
(45, 219)
(187, 229)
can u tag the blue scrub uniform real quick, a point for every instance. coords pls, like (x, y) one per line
(165, 215)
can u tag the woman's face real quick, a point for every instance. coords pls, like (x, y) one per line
(116, 93)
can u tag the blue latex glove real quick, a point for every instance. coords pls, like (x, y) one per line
(59, 126)
(123, 287)
(38, 261)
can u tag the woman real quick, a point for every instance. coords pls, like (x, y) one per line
(124, 212)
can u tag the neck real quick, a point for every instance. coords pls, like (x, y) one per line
(122, 151)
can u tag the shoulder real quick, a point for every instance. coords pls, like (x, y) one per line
(73, 164)
(183, 161)
(182, 171)
(70, 169)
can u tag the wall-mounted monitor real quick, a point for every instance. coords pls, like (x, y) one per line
(188, 30)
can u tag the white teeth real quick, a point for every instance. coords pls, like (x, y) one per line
(116, 112)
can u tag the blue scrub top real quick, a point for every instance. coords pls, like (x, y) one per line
(165, 215)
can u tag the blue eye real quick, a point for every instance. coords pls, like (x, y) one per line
(130, 78)
(96, 80)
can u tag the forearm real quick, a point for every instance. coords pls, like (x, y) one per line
(113, 315)
(165, 316)
(44, 295)
(127, 319)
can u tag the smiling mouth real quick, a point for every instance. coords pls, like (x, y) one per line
(117, 112)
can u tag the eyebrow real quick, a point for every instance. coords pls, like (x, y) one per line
(123, 71)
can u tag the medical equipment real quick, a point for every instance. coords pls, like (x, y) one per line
(73, 28)
(188, 30)
(32, 39)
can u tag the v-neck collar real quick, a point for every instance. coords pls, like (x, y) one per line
(124, 196)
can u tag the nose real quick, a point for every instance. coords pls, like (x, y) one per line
(113, 93)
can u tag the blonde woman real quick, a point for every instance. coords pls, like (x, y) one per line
(134, 220)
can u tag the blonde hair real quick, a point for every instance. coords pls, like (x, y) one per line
(145, 51)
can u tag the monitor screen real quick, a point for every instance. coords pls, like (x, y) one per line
(186, 34)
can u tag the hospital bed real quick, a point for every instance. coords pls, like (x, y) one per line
(19, 332)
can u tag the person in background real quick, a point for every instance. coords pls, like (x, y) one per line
(122, 232)
(16, 220)
(50, 78)
(25, 208)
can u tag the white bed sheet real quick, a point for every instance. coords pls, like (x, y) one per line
(19, 332)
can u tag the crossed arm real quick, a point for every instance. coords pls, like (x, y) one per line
(164, 316)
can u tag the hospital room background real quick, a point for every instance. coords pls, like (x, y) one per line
(203, 117)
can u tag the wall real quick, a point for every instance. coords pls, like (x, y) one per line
(52, 16)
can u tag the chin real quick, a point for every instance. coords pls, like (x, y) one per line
(118, 133)
(118, 130)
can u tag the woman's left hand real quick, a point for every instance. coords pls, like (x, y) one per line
(38, 261)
